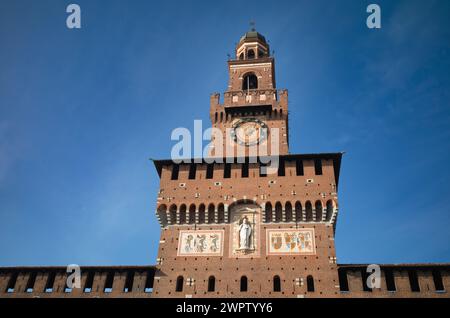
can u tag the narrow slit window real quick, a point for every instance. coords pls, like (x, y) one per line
(12, 283)
(109, 282)
(149, 282)
(343, 280)
(276, 284)
(89, 282)
(192, 171)
(227, 171)
(175, 171)
(179, 285)
(211, 284)
(129, 282)
(437, 278)
(310, 283)
(210, 171)
(299, 167)
(281, 168)
(50, 282)
(364, 276)
(244, 284)
(244, 172)
(30, 283)
(318, 167)
(414, 281)
(390, 281)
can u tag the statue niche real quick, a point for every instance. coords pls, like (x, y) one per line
(245, 232)
(244, 229)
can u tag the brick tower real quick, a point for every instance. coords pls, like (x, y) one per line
(230, 230)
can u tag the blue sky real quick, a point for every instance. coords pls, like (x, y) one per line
(81, 111)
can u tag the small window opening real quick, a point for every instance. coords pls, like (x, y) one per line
(210, 171)
(244, 284)
(192, 171)
(179, 285)
(175, 171)
(318, 166)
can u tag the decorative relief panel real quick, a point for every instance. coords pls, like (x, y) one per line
(290, 242)
(200, 243)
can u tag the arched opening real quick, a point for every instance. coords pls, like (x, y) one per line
(308, 211)
(215, 117)
(192, 214)
(276, 283)
(241, 56)
(211, 213)
(329, 212)
(288, 211)
(298, 211)
(260, 54)
(179, 285)
(310, 283)
(183, 209)
(244, 284)
(162, 214)
(268, 212)
(211, 283)
(250, 54)
(278, 212)
(318, 211)
(201, 213)
(221, 213)
(250, 81)
(173, 214)
(221, 116)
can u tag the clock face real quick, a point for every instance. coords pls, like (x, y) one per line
(249, 131)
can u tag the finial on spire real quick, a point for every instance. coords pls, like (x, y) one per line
(252, 26)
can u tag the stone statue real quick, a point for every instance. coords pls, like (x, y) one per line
(245, 230)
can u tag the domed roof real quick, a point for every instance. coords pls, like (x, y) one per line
(252, 36)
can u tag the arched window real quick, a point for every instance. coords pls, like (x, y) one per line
(211, 283)
(329, 210)
(276, 283)
(183, 214)
(268, 212)
(179, 286)
(211, 213)
(162, 214)
(192, 214)
(241, 56)
(260, 54)
(298, 211)
(221, 213)
(308, 211)
(318, 211)
(288, 211)
(250, 81)
(201, 213)
(173, 214)
(250, 54)
(244, 284)
(278, 212)
(310, 283)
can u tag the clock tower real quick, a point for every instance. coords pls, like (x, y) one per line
(230, 228)
(253, 111)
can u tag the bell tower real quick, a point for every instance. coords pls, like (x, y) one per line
(251, 102)
(231, 229)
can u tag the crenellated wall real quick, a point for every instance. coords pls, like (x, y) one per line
(98, 281)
